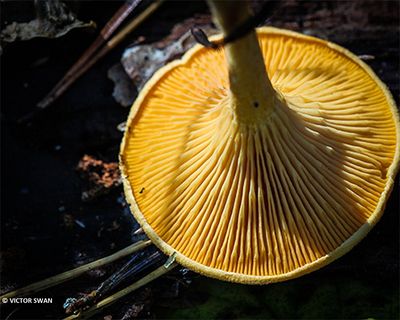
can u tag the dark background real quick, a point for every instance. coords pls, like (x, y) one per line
(41, 190)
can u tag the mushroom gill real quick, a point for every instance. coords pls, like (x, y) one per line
(275, 197)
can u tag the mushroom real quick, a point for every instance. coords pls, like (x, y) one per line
(263, 161)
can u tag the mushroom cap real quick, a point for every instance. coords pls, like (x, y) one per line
(266, 202)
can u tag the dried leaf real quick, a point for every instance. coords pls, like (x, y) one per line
(124, 91)
(140, 62)
(54, 20)
(102, 176)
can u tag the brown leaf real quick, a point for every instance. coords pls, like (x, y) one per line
(101, 176)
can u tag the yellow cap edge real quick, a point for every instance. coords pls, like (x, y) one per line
(242, 278)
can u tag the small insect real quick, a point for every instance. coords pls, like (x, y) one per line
(200, 36)
(240, 31)
(141, 190)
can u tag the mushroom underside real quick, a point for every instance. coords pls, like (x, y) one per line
(268, 198)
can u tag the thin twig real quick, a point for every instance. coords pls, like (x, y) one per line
(136, 264)
(168, 266)
(12, 313)
(107, 48)
(104, 35)
(112, 43)
(70, 274)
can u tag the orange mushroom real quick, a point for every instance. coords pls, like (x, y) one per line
(262, 162)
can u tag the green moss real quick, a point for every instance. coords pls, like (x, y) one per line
(322, 304)
(281, 300)
(310, 297)
(361, 300)
(225, 300)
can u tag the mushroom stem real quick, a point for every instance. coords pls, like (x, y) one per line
(252, 94)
